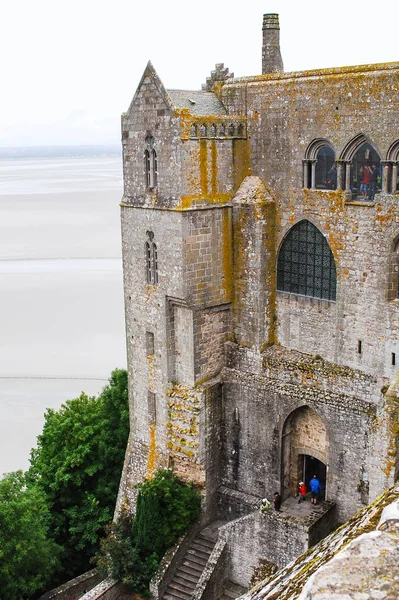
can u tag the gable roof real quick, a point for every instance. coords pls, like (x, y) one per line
(198, 102)
(150, 72)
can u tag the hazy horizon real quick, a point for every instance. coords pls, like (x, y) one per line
(76, 65)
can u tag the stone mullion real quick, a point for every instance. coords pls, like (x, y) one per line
(339, 174)
(348, 176)
(394, 176)
(313, 174)
(385, 176)
(305, 173)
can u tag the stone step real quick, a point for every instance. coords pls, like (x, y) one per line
(179, 587)
(199, 551)
(194, 572)
(169, 596)
(187, 562)
(188, 573)
(179, 573)
(203, 545)
(172, 594)
(184, 582)
(193, 557)
(204, 541)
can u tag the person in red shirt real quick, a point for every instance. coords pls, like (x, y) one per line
(366, 182)
(301, 492)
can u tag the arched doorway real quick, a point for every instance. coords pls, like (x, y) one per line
(304, 450)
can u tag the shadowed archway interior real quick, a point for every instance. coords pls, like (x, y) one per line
(304, 448)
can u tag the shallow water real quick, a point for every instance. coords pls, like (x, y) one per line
(61, 294)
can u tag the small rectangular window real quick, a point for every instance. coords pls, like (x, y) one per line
(393, 358)
(359, 346)
(149, 337)
(152, 407)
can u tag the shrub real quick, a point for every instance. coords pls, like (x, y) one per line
(133, 548)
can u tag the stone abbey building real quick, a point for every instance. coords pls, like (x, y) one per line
(260, 230)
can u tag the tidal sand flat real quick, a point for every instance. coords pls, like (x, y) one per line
(61, 298)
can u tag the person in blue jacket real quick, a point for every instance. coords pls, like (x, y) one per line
(315, 487)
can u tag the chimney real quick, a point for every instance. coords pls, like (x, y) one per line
(271, 55)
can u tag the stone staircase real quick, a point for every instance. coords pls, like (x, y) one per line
(187, 575)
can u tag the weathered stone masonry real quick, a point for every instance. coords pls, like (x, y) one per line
(233, 381)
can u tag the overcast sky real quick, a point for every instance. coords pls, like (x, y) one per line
(70, 67)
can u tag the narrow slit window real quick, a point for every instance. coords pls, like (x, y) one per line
(393, 358)
(152, 407)
(148, 261)
(149, 343)
(359, 346)
(151, 257)
(155, 263)
(150, 164)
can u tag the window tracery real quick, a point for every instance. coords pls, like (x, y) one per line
(306, 264)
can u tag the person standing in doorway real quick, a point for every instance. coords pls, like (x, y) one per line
(277, 501)
(301, 492)
(315, 487)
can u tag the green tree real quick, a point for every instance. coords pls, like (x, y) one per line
(77, 464)
(132, 550)
(28, 555)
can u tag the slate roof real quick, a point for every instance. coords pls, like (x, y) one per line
(198, 102)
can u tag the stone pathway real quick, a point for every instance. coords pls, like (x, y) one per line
(304, 509)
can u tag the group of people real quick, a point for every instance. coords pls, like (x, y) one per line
(368, 175)
(315, 489)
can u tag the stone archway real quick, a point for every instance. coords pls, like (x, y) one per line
(304, 435)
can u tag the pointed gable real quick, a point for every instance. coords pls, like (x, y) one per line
(151, 87)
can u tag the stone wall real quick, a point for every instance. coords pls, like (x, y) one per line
(233, 504)
(272, 536)
(75, 588)
(263, 406)
(286, 112)
(151, 115)
(361, 571)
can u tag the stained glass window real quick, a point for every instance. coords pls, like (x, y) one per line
(306, 264)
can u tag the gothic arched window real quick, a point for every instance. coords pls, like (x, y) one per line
(319, 166)
(150, 164)
(326, 169)
(151, 256)
(306, 264)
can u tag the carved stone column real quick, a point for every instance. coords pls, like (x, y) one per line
(339, 174)
(305, 173)
(313, 174)
(385, 176)
(394, 177)
(348, 176)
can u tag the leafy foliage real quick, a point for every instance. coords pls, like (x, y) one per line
(28, 555)
(165, 508)
(77, 464)
(121, 558)
(133, 549)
